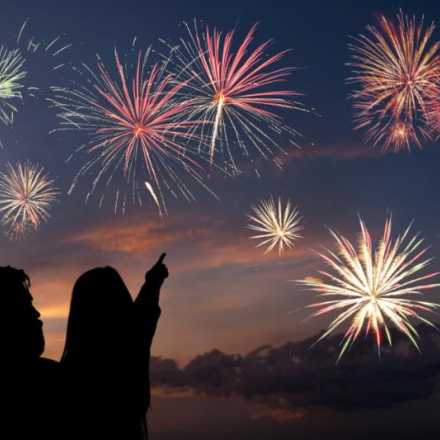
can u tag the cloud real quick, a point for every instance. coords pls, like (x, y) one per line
(337, 152)
(129, 239)
(295, 376)
(195, 246)
(311, 152)
(174, 393)
(279, 415)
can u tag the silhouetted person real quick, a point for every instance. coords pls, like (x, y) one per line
(107, 353)
(28, 383)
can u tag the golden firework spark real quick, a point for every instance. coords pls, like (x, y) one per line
(396, 70)
(26, 194)
(375, 286)
(278, 225)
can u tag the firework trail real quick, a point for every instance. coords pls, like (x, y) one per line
(137, 135)
(375, 286)
(396, 72)
(234, 90)
(41, 53)
(12, 75)
(277, 225)
(153, 194)
(54, 47)
(26, 194)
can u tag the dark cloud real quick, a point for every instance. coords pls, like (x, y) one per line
(295, 375)
(334, 152)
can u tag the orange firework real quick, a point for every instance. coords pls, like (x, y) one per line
(396, 71)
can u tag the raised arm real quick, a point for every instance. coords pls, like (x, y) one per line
(147, 302)
(146, 316)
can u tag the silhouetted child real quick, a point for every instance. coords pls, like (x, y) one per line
(107, 353)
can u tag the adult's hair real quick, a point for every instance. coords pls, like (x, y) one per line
(13, 280)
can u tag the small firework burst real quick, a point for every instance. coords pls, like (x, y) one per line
(26, 196)
(234, 92)
(401, 135)
(396, 71)
(375, 286)
(12, 74)
(278, 225)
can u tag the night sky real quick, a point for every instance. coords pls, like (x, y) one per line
(223, 293)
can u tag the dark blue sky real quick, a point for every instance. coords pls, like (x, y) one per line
(333, 178)
(223, 293)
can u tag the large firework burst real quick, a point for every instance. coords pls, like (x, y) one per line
(12, 74)
(375, 286)
(234, 91)
(396, 72)
(277, 224)
(26, 195)
(134, 120)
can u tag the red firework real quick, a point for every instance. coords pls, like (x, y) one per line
(232, 91)
(135, 123)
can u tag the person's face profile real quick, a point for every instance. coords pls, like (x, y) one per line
(22, 322)
(35, 326)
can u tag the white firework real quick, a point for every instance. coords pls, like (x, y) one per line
(277, 225)
(26, 195)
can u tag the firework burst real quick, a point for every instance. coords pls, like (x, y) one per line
(277, 224)
(433, 116)
(26, 195)
(134, 120)
(375, 286)
(234, 92)
(396, 71)
(12, 74)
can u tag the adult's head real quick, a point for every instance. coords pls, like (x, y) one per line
(21, 329)
(99, 312)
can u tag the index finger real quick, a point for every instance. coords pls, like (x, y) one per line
(161, 258)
